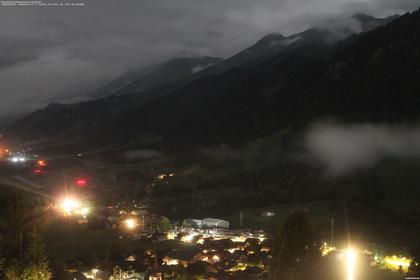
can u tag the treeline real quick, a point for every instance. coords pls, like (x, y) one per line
(22, 221)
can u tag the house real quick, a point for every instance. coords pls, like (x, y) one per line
(206, 223)
(214, 223)
(268, 214)
(195, 223)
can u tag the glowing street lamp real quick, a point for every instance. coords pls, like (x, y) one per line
(351, 259)
(95, 271)
(215, 258)
(69, 205)
(188, 238)
(130, 223)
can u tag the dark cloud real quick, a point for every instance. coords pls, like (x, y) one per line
(15, 50)
(46, 51)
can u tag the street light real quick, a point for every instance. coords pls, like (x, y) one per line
(95, 270)
(69, 205)
(130, 223)
(351, 259)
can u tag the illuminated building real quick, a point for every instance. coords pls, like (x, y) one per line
(206, 223)
(210, 222)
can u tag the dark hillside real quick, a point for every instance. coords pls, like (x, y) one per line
(373, 76)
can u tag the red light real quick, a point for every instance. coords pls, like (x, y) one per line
(36, 171)
(81, 182)
(42, 163)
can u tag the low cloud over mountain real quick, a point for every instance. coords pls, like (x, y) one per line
(343, 148)
(45, 52)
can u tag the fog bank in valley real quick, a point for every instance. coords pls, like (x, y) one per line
(342, 148)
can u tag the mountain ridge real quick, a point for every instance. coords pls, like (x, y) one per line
(258, 97)
(140, 80)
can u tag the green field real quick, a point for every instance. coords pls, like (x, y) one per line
(317, 213)
(67, 241)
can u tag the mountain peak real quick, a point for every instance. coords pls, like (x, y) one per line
(368, 19)
(270, 40)
(271, 36)
(178, 67)
(363, 17)
(274, 34)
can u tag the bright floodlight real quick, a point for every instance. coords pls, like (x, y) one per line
(69, 205)
(350, 258)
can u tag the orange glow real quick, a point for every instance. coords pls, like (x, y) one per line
(69, 205)
(130, 223)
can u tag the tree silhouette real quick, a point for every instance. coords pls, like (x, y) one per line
(295, 251)
(36, 262)
(20, 239)
(164, 224)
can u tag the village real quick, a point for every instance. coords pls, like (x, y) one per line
(197, 249)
